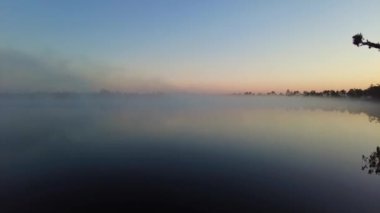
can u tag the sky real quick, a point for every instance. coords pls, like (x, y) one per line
(206, 46)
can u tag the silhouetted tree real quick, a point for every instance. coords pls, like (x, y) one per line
(249, 93)
(373, 91)
(292, 93)
(358, 40)
(355, 93)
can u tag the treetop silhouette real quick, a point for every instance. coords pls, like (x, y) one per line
(358, 40)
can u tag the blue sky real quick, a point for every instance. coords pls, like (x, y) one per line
(177, 45)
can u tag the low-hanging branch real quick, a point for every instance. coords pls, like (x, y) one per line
(358, 40)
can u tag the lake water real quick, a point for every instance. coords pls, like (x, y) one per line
(188, 154)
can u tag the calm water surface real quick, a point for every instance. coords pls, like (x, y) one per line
(188, 154)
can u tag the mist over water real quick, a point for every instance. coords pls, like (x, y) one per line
(187, 154)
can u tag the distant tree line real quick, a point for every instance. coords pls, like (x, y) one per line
(371, 92)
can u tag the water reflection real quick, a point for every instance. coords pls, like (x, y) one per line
(373, 113)
(370, 108)
(187, 154)
(372, 162)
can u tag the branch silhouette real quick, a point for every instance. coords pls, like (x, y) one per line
(358, 40)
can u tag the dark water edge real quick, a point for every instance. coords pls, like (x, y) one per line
(159, 153)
